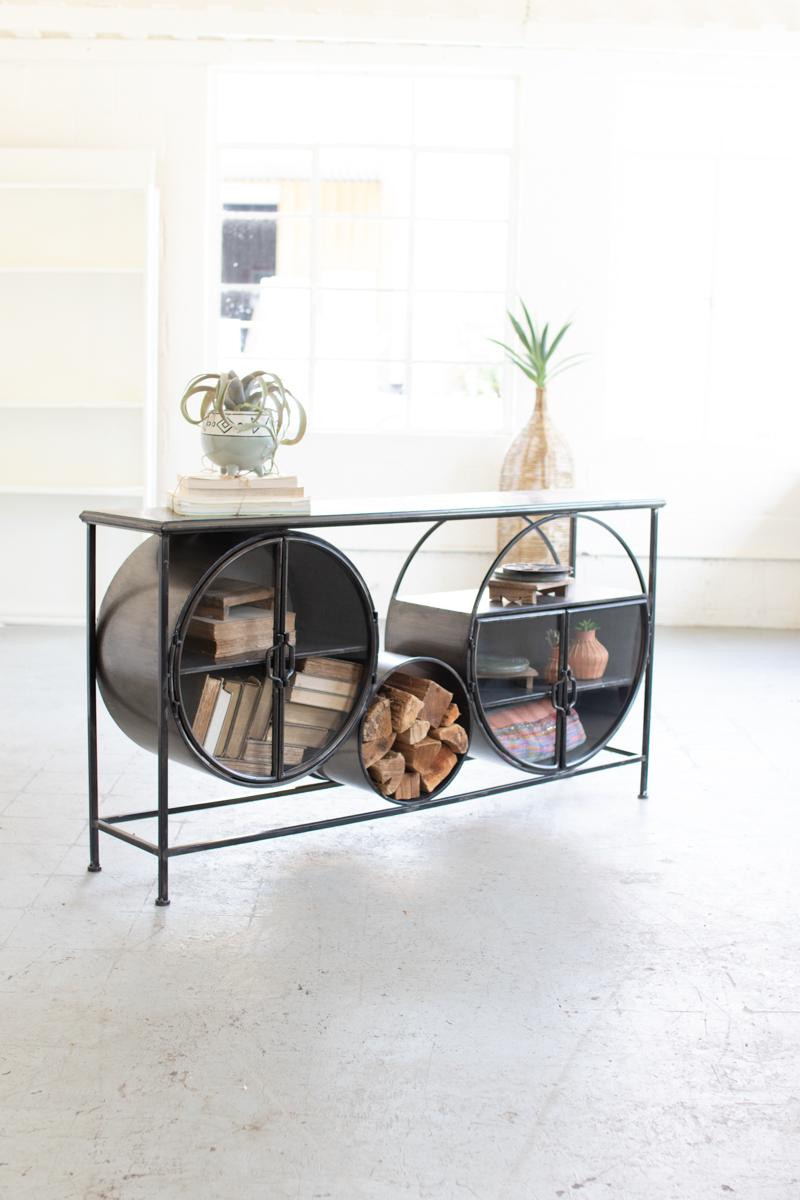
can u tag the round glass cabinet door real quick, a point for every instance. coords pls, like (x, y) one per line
(605, 660)
(515, 666)
(276, 655)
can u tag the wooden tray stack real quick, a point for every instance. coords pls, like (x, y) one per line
(411, 738)
(523, 583)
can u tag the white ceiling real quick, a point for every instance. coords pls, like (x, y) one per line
(73, 15)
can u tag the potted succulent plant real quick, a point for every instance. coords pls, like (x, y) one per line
(539, 457)
(587, 657)
(243, 421)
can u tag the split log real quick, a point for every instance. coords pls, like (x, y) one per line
(372, 751)
(416, 733)
(408, 788)
(405, 707)
(438, 772)
(451, 714)
(421, 756)
(435, 699)
(377, 722)
(387, 772)
(454, 736)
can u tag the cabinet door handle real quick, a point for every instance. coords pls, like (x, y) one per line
(289, 659)
(269, 662)
(572, 690)
(555, 695)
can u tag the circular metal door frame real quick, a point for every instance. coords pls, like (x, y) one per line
(176, 654)
(634, 691)
(472, 679)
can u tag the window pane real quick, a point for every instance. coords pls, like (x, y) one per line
(462, 185)
(256, 106)
(279, 324)
(359, 395)
(256, 247)
(361, 324)
(464, 112)
(364, 108)
(449, 325)
(363, 254)
(460, 254)
(365, 182)
(278, 178)
(460, 397)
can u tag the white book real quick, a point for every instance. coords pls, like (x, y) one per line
(183, 504)
(217, 721)
(203, 480)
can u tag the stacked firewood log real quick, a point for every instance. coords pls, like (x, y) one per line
(410, 737)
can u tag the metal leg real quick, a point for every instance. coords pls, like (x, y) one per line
(648, 679)
(163, 722)
(91, 694)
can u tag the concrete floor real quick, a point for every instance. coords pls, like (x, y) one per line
(568, 992)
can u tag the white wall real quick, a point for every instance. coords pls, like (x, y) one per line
(725, 459)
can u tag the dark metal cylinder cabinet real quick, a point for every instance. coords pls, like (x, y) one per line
(320, 609)
(550, 716)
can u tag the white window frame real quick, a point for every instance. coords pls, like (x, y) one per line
(408, 70)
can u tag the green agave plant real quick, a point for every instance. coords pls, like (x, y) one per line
(534, 355)
(587, 625)
(261, 395)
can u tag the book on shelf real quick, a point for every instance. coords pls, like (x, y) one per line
(311, 715)
(328, 683)
(240, 726)
(205, 707)
(258, 753)
(334, 687)
(202, 481)
(244, 629)
(226, 709)
(341, 669)
(322, 700)
(306, 736)
(262, 713)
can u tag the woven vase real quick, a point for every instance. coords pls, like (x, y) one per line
(587, 657)
(538, 458)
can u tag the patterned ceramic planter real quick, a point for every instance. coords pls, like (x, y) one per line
(236, 442)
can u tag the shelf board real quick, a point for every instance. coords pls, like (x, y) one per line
(462, 601)
(194, 662)
(33, 489)
(543, 691)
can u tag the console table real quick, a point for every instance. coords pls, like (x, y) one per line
(152, 676)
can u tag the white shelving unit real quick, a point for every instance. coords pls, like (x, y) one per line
(78, 294)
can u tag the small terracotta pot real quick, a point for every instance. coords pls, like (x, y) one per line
(587, 657)
(553, 667)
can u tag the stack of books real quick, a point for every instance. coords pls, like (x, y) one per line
(230, 710)
(210, 494)
(235, 617)
(320, 699)
(233, 719)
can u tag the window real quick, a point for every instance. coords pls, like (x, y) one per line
(366, 243)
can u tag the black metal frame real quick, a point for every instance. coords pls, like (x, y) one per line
(166, 529)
